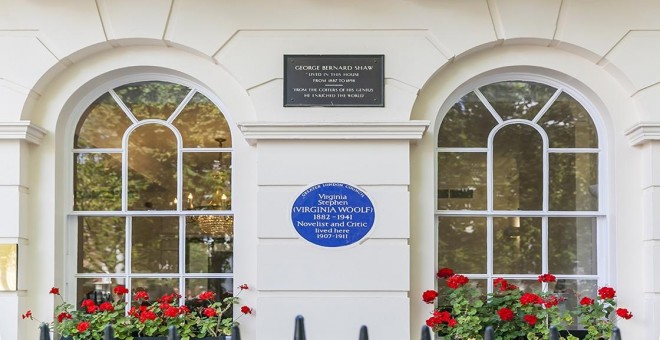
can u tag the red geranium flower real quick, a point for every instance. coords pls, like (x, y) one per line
(547, 278)
(208, 295)
(209, 312)
(444, 273)
(62, 316)
(141, 295)
(120, 290)
(501, 283)
(429, 296)
(624, 313)
(106, 307)
(586, 301)
(27, 314)
(243, 286)
(530, 319)
(505, 314)
(551, 301)
(83, 326)
(171, 312)
(55, 291)
(530, 299)
(246, 310)
(606, 293)
(457, 281)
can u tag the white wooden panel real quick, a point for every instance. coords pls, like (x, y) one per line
(299, 265)
(333, 318)
(309, 161)
(651, 213)
(391, 205)
(10, 198)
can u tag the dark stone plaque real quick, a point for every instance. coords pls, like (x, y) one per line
(334, 80)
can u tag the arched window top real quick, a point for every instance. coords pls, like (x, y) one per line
(469, 121)
(199, 121)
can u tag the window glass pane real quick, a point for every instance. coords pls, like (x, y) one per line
(517, 99)
(207, 180)
(155, 245)
(102, 125)
(152, 161)
(462, 181)
(572, 291)
(101, 244)
(8, 266)
(97, 181)
(517, 245)
(209, 244)
(152, 99)
(517, 169)
(97, 289)
(572, 245)
(569, 125)
(202, 125)
(462, 244)
(155, 287)
(573, 182)
(467, 124)
(527, 286)
(222, 287)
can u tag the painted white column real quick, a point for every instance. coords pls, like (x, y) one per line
(337, 290)
(16, 140)
(646, 135)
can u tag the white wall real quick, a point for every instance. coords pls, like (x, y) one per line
(55, 52)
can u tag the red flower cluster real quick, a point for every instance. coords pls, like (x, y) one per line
(457, 281)
(530, 319)
(429, 296)
(624, 313)
(441, 317)
(83, 326)
(246, 310)
(586, 301)
(505, 314)
(606, 293)
(531, 299)
(445, 273)
(503, 284)
(547, 278)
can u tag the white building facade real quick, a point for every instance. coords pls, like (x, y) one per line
(65, 64)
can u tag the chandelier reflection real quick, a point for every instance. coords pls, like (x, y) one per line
(216, 226)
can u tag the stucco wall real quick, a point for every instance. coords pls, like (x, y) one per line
(55, 52)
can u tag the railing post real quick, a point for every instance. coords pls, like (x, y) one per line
(554, 333)
(299, 331)
(364, 335)
(235, 333)
(616, 334)
(426, 333)
(44, 332)
(171, 333)
(108, 333)
(489, 334)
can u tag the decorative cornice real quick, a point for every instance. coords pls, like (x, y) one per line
(643, 132)
(407, 130)
(22, 130)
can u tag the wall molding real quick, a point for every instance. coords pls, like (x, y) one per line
(22, 130)
(407, 130)
(643, 132)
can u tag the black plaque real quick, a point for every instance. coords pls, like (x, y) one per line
(334, 80)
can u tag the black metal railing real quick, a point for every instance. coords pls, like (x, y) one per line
(299, 332)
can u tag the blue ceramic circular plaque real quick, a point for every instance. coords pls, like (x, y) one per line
(333, 214)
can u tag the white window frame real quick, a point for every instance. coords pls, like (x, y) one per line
(71, 225)
(601, 215)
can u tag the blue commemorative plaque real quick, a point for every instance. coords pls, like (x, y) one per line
(333, 214)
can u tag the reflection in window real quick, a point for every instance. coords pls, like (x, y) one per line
(148, 157)
(517, 187)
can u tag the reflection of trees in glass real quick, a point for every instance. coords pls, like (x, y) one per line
(101, 241)
(517, 160)
(156, 161)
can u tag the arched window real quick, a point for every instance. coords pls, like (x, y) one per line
(518, 177)
(152, 194)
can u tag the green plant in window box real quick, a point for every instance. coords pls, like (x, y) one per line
(463, 311)
(204, 318)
